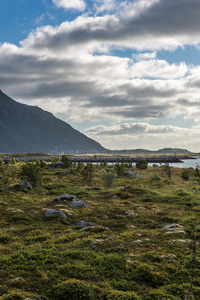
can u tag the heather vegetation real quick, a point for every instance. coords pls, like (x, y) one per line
(140, 239)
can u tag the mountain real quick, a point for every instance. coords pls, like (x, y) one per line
(171, 151)
(25, 128)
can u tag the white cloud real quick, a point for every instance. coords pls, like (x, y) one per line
(144, 56)
(105, 5)
(143, 135)
(58, 69)
(71, 4)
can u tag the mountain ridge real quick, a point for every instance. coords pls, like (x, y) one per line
(25, 128)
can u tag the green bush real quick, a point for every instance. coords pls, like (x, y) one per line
(119, 295)
(74, 289)
(185, 174)
(158, 295)
(197, 173)
(87, 173)
(66, 163)
(142, 164)
(167, 169)
(119, 169)
(108, 179)
(31, 172)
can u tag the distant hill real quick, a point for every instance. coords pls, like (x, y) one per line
(25, 128)
(171, 151)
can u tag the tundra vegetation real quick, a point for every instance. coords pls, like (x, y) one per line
(127, 254)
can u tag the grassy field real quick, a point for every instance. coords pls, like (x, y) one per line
(126, 256)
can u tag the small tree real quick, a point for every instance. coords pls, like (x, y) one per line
(104, 163)
(88, 172)
(142, 164)
(167, 169)
(13, 161)
(80, 166)
(54, 159)
(119, 169)
(66, 163)
(197, 173)
(108, 178)
(185, 174)
(128, 164)
(31, 172)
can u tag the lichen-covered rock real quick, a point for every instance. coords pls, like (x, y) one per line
(65, 197)
(14, 210)
(52, 212)
(132, 174)
(78, 203)
(173, 227)
(84, 224)
(26, 184)
(61, 172)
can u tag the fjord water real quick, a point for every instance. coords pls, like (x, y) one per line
(186, 163)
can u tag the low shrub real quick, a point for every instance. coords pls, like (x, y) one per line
(142, 164)
(74, 289)
(108, 179)
(185, 174)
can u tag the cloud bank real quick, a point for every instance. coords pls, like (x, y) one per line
(75, 69)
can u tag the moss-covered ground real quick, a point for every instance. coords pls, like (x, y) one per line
(127, 256)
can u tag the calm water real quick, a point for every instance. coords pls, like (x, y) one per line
(187, 163)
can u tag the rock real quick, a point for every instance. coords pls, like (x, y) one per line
(119, 217)
(172, 227)
(16, 279)
(132, 174)
(61, 172)
(130, 264)
(94, 228)
(51, 212)
(141, 208)
(155, 165)
(26, 184)
(3, 203)
(78, 203)
(97, 241)
(65, 197)
(105, 217)
(84, 224)
(126, 187)
(168, 256)
(67, 211)
(130, 213)
(14, 210)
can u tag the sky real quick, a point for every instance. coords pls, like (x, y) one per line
(125, 73)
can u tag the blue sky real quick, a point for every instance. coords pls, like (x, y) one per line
(126, 73)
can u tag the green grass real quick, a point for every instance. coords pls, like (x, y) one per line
(49, 258)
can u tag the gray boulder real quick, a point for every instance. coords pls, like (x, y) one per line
(173, 227)
(61, 172)
(65, 197)
(78, 203)
(132, 174)
(52, 212)
(84, 224)
(26, 184)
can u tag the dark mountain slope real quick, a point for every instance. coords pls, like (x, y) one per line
(25, 128)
